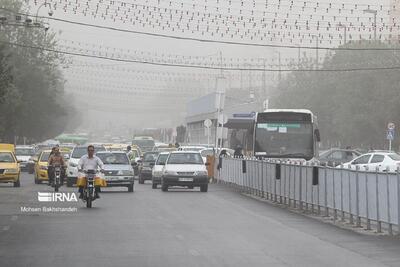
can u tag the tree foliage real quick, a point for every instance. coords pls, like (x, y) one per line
(353, 108)
(32, 100)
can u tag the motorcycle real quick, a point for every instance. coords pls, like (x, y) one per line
(57, 178)
(89, 190)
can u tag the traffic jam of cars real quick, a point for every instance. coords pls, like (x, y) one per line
(143, 160)
(165, 165)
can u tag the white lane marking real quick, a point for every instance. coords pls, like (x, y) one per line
(6, 228)
(14, 218)
(194, 252)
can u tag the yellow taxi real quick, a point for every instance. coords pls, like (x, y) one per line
(9, 166)
(41, 164)
(40, 168)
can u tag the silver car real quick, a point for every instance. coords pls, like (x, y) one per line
(118, 171)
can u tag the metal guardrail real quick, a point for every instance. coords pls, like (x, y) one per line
(362, 198)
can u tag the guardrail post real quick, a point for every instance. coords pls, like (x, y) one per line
(341, 194)
(398, 199)
(351, 217)
(378, 219)
(358, 219)
(301, 186)
(262, 179)
(367, 203)
(390, 228)
(334, 197)
(326, 192)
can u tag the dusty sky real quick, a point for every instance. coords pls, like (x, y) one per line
(156, 92)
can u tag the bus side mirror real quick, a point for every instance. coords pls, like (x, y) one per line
(317, 135)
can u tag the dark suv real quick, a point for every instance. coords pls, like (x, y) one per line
(336, 156)
(146, 166)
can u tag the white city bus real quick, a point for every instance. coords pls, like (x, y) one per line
(286, 133)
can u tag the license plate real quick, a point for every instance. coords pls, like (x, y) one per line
(185, 179)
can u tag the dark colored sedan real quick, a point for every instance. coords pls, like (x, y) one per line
(146, 166)
(336, 156)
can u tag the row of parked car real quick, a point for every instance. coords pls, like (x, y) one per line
(377, 160)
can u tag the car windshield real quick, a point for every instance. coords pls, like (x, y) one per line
(45, 156)
(150, 157)
(113, 158)
(284, 139)
(24, 151)
(6, 157)
(192, 148)
(143, 143)
(162, 159)
(185, 158)
(395, 157)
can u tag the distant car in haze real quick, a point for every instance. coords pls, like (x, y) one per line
(380, 161)
(146, 166)
(336, 156)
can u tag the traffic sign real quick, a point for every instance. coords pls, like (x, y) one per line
(390, 135)
(391, 126)
(207, 123)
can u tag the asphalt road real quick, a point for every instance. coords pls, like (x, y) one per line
(176, 228)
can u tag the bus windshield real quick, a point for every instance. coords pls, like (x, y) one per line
(284, 140)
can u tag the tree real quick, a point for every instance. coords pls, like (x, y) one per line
(353, 108)
(33, 90)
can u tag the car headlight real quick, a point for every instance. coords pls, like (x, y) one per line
(11, 170)
(73, 165)
(43, 167)
(201, 173)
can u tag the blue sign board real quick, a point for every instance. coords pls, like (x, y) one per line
(390, 134)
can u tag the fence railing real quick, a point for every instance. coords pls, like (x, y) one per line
(363, 198)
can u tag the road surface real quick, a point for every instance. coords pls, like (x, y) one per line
(176, 228)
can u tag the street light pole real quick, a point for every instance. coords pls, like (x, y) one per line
(374, 12)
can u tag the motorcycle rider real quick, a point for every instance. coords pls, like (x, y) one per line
(90, 162)
(55, 159)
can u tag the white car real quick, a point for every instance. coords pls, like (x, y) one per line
(72, 168)
(158, 168)
(191, 148)
(118, 171)
(186, 169)
(382, 161)
(23, 154)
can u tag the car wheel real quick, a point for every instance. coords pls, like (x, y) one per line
(130, 188)
(204, 188)
(17, 183)
(164, 187)
(154, 186)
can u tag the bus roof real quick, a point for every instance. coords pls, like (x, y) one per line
(306, 111)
